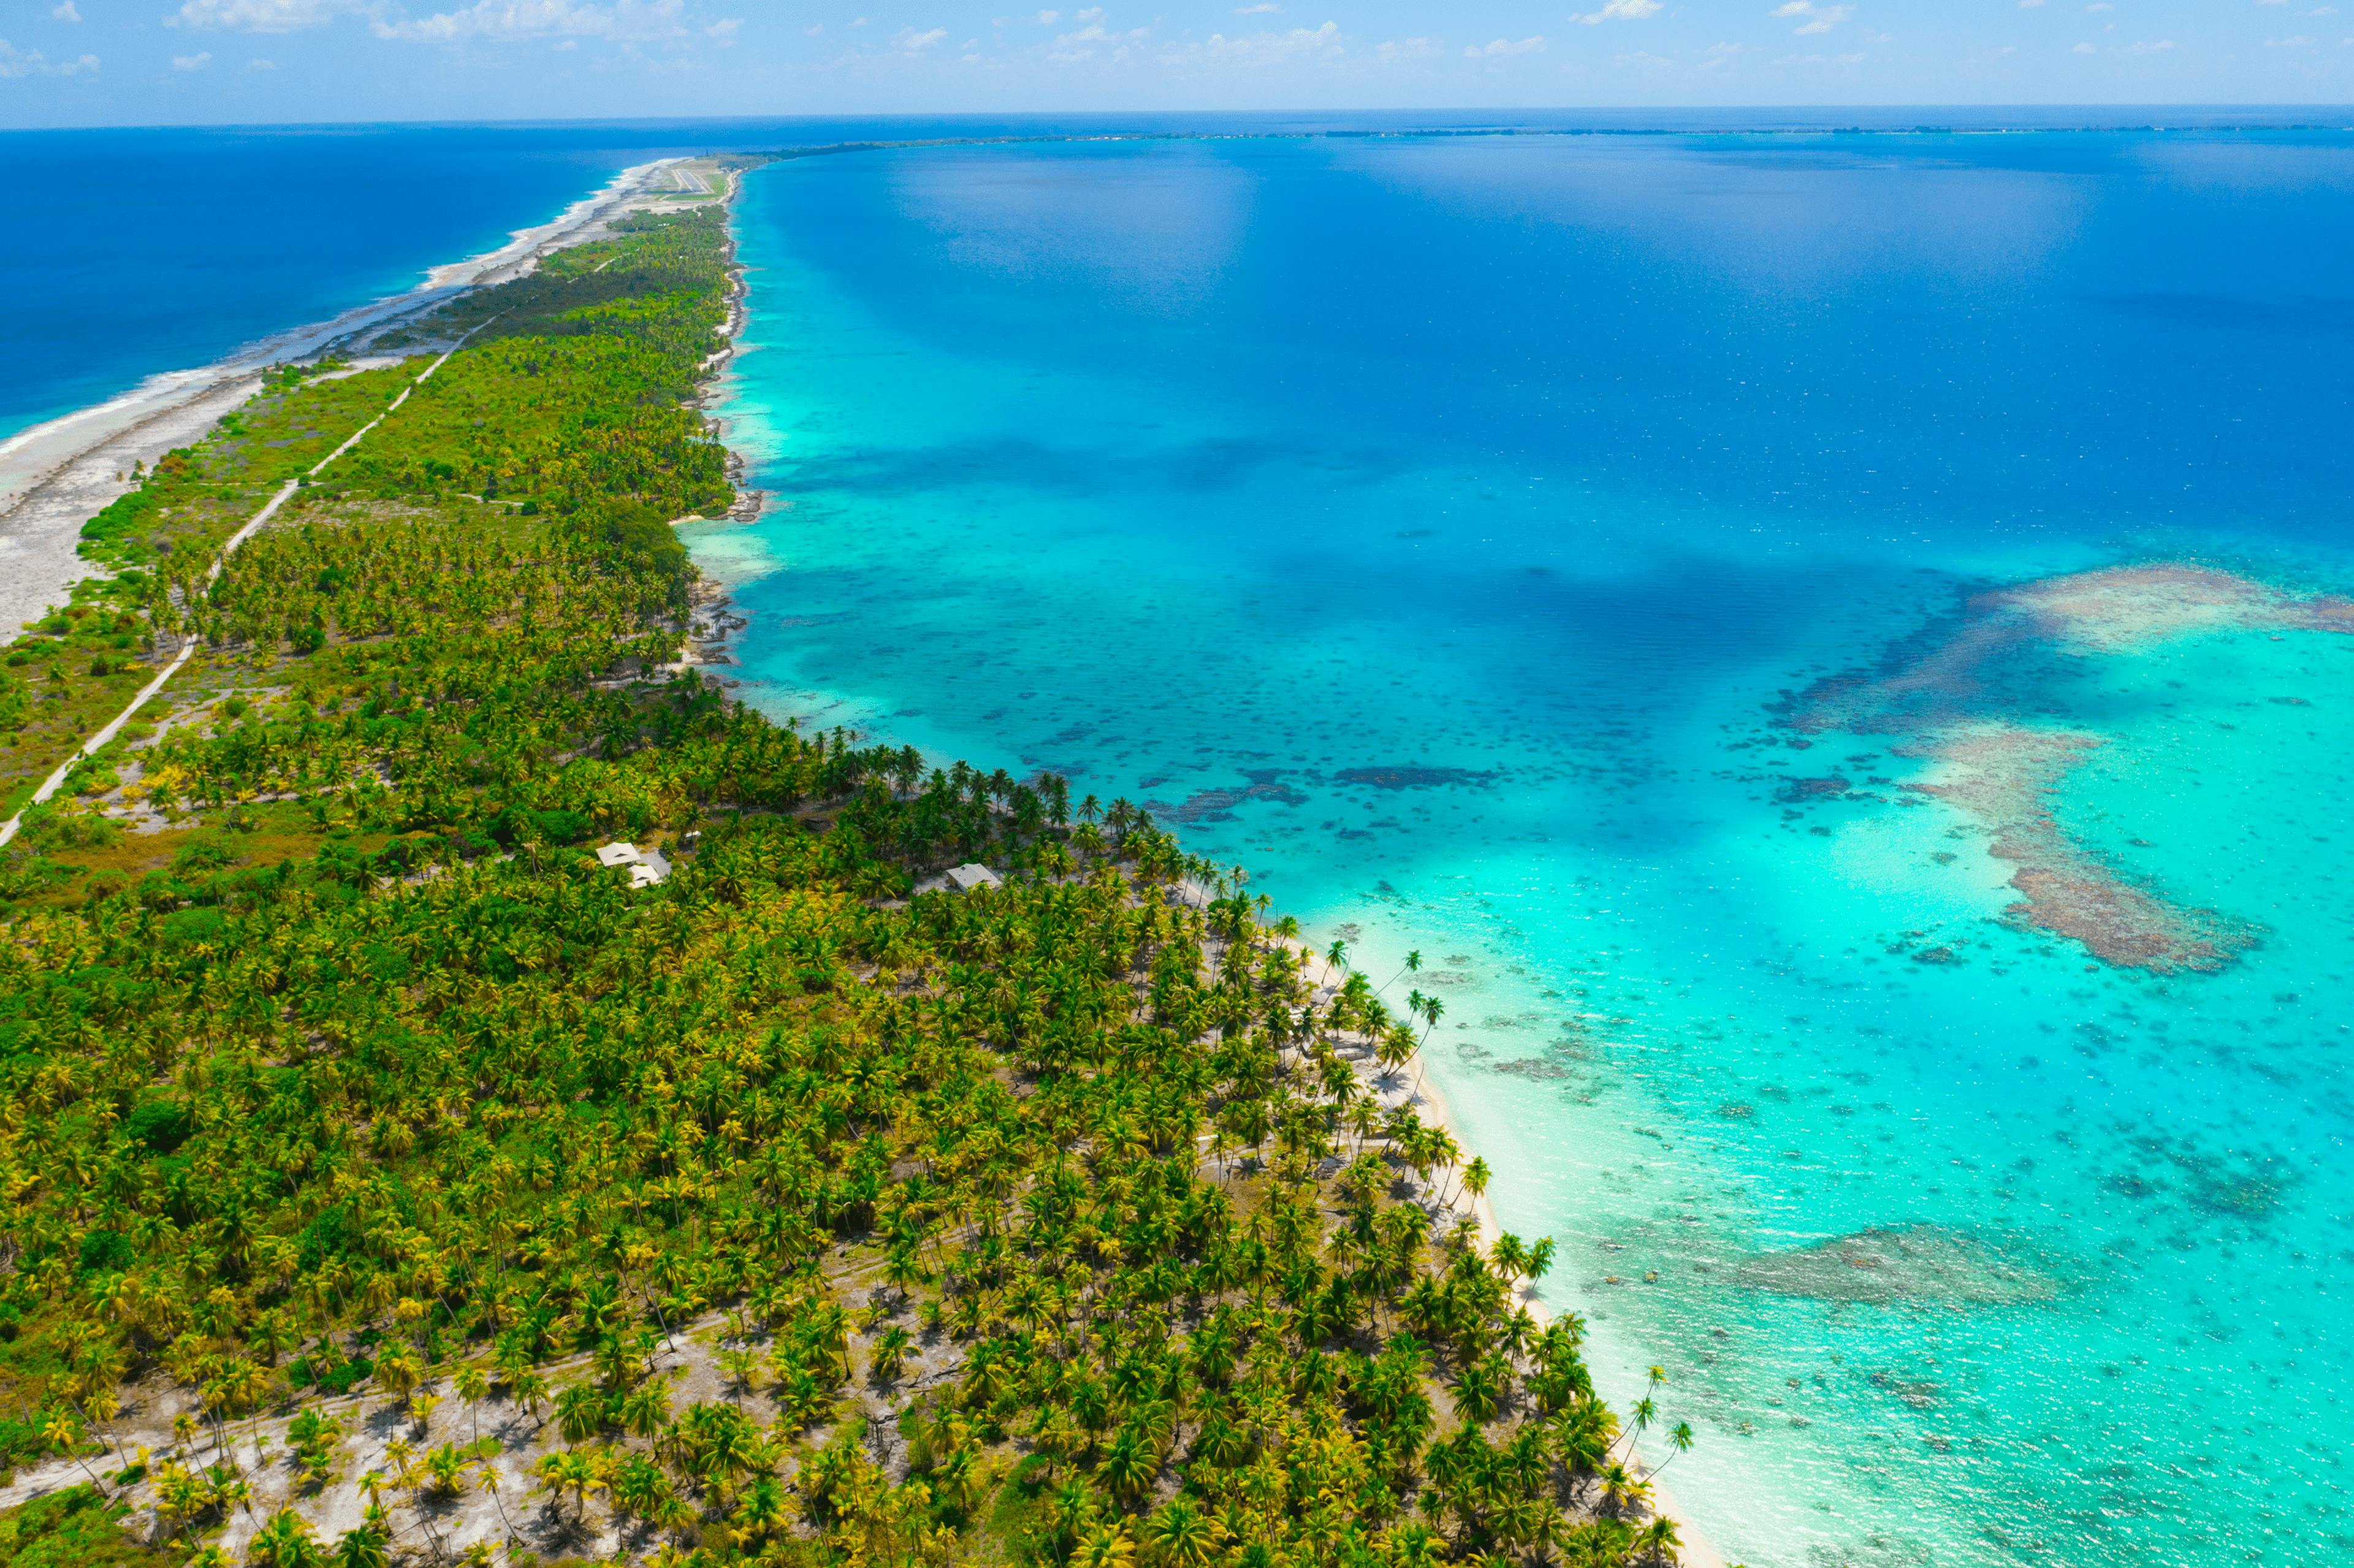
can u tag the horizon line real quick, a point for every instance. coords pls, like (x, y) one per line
(1832, 119)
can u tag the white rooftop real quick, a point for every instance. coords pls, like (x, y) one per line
(647, 866)
(966, 877)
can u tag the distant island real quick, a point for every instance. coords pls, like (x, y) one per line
(477, 1092)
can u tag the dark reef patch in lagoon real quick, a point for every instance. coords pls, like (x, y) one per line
(1795, 790)
(1882, 1267)
(1218, 805)
(1959, 693)
(1410, 777)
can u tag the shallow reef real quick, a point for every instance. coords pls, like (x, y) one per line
(1928, 1264)
(1955, 693)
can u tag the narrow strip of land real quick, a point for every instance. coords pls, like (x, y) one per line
(106, 733)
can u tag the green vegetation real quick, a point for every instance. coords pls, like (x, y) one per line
(76, 1527)
(780, 1212)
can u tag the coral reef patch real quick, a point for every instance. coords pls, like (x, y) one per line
(1410, 777)
(1929, 1264)
(1955, 694)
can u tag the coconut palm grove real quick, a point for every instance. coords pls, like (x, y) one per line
(389, 1180)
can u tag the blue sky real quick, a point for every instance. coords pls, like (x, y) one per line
(83, 62)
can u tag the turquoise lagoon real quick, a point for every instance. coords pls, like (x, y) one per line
(1650, 575)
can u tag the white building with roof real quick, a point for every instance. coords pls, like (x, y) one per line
(646, 867)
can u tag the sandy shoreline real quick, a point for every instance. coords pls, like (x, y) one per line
(1425, 1099)
(54, 476)
(1693, 1550)
(1416, 1089)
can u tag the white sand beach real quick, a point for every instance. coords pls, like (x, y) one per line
(1694, 1550)
(1416, 1089)
(57, 475)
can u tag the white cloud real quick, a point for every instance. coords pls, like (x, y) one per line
(2084, 49)
(1497, 46)
(2158, 47)
(1720, 55)
(814, 30)
(2097, 7)
(1046, 18)
(1818, 18)
(912, 41)
(1253, 50)
(2299, 42)
(1401, 49)
(196, 61)
(1622, 11)
(2029, 5)
(1264, 9)
(1082, 44)
(257, 15)
(65, 12)
(513, 21)
(32, 62)
(725, 29)
(261, 65)
(1644, 60)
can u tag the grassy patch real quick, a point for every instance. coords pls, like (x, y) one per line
(74, 1528)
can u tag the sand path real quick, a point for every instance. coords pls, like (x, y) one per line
(113, 726)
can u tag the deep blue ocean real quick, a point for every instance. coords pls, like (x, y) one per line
(134, 252)
(1825, 642)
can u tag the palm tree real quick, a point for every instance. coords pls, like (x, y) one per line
(1128, 1465)
(448, 1468)
(1477, 1390)
(399, 1370)
(1396, 1048)
(528, 1390)
(286, 1542)
(1680, 1438)
(1621, 1489)
(569, 1470)
(489, 1482)
(1106, 1546)
(1475, 1182)
(1415, 1545)
(473, 1386)
(1411, 966)
(579, 1413)
(361, 1548)
(1182, 1536)
(891, 1349)
(761, 1511)
(645, 1410)
(61, 1432)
